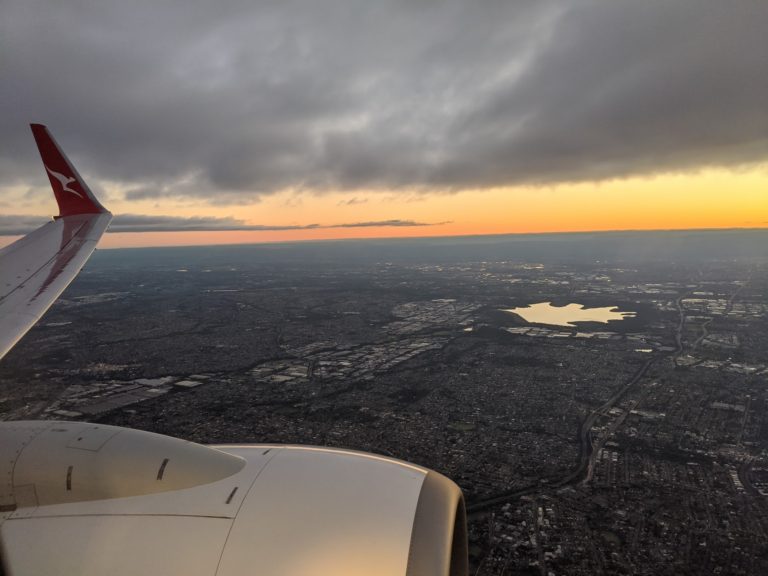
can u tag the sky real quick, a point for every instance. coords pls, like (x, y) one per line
(247, 121)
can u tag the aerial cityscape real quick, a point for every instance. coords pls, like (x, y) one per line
(637, 445)
(468, 288)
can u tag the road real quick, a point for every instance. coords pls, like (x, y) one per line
(587, 449)
(587, 454)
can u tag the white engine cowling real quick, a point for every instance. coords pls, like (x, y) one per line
(87, 499)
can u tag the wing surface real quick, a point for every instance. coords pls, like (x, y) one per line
(37, 268)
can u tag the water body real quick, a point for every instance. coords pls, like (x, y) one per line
(546, 313)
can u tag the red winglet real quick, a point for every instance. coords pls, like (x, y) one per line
(72, 193)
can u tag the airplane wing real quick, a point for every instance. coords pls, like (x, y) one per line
(37, 268)
(90, 499)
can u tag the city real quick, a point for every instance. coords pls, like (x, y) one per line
(636, 446)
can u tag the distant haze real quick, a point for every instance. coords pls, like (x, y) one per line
(690, 248)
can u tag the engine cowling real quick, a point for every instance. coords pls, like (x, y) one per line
(92, 499)
(46, 462)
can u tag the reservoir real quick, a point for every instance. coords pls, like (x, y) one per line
(546, 313)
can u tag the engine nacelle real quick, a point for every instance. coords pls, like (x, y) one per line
(46, 462)
(91, 499)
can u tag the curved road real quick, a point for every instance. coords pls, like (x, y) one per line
(586, 454)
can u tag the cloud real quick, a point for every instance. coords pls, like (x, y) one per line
(17, 225)
(234, 101)
(11, 225)
(354, 201)
(387, 223)
(144, 223)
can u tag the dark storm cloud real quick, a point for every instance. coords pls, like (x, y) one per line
(235, 99)
(16, 225)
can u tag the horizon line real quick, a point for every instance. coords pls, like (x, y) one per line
(447, 236)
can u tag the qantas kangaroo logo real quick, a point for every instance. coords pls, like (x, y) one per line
(65, 182)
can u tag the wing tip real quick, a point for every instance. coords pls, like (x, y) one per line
(38, 129)
(72, 193)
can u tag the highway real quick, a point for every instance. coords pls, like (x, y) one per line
(587, 454)
(587, 449)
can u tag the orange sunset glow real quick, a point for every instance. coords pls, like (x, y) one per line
(709, 199)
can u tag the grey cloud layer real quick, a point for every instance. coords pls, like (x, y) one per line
(14, 225)
(235, 99)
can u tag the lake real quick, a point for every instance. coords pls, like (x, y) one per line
(546, 313)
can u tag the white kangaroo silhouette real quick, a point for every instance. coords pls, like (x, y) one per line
(65, 182)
